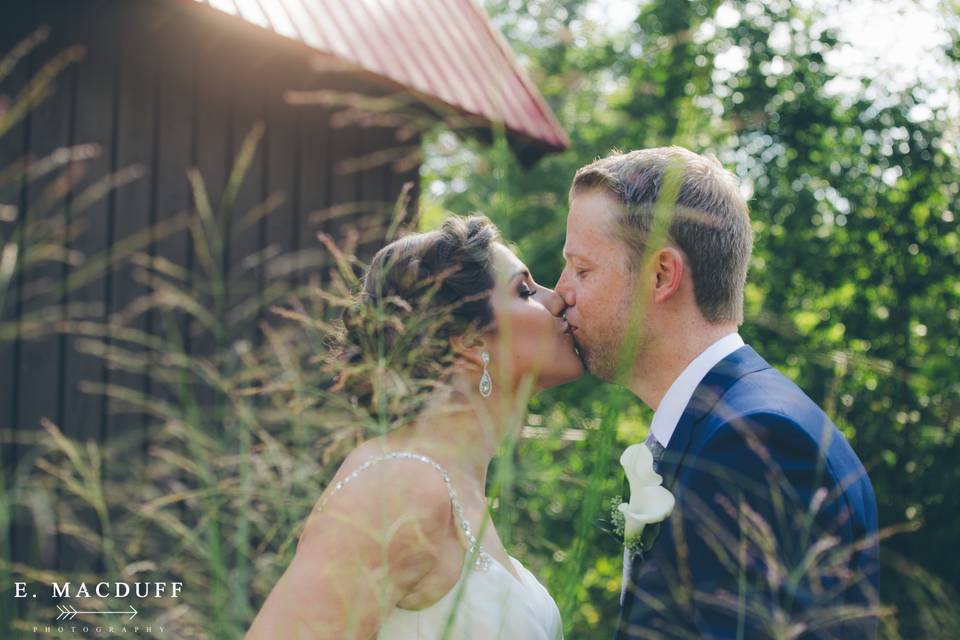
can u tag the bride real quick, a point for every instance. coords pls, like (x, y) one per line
(400, 545)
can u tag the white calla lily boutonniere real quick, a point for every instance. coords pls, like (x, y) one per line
(650, 502)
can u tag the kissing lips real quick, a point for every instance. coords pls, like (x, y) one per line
(570, 328)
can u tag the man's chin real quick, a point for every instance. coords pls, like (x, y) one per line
(589, 362)
(596, 365)
(581, 353)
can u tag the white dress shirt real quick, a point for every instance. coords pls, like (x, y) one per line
(678, 396)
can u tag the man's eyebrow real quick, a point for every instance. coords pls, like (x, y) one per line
(570, 254)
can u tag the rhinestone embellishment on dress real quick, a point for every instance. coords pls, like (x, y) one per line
(483, 559)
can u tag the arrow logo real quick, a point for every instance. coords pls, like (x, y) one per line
(68, 612)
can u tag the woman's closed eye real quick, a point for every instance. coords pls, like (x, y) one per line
(526, 291)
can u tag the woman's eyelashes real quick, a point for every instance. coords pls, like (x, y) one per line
(526, 291)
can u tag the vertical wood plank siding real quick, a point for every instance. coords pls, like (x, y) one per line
(167, 88)
(12, 146)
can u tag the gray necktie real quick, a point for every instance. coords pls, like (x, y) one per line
(656, 449)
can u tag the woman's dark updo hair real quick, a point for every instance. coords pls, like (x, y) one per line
(450, 268)
(417, 293)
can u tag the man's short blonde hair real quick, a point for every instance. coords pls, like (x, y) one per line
(710, 223)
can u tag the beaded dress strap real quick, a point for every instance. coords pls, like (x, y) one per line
(483, 559)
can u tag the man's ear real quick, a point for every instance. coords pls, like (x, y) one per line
(467, 348)
(669, 268)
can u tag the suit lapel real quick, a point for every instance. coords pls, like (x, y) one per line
(717, 381)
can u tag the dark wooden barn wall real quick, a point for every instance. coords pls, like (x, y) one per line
(166, 86)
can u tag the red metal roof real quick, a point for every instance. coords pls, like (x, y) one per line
(445, 49)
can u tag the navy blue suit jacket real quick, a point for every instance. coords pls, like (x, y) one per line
(775, 515)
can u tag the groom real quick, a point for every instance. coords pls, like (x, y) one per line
(775, 517)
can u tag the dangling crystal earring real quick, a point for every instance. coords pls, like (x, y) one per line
(486, 384)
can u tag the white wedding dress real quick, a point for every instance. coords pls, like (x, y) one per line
(486, 603)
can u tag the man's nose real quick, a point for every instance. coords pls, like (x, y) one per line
(564, 291)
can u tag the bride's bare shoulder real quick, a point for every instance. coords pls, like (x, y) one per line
(364, 548)
(367, 485)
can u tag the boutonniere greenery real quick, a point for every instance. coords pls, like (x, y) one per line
(649, 504)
